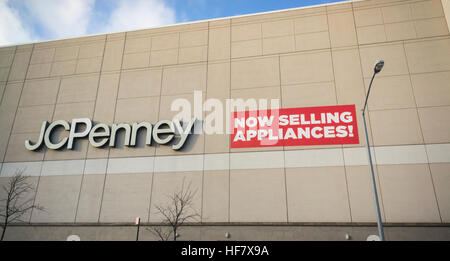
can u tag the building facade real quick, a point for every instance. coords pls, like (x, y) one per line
(305, 57)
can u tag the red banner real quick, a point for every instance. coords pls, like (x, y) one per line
(325, 125)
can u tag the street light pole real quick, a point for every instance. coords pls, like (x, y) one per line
(378, 66)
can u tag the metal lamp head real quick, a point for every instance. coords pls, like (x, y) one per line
(378, 66)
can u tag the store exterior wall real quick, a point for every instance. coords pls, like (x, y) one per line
(314, 56)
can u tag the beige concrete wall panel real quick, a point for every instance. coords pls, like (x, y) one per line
(342, 29)
(78, 89)
(69, 111)
(89, 65)
(339, 7)
(7, 113)
(167, 41)
(431, 27)
(408, 194)
(312, 41)
(400, 31)
(193, 54)
(39, 70)
(246, 48)
(317, 194)
(29, 119)
(250, 73)
(219, 43)
(39, 92)
(392, 54)
(395, 127)
(115, 36)
(218, 82)
(306, 95)
(78, 153)
(428, 56)
(125, 197)
(278, 28)
(217, 142)
(246, 32)
(92, 50)
(426, 9)
(186, 27)
(274, 45)
(2, 89)
(249, 200)
(219, 23)
(348, 77)
(137, 110)
(266, 93)
(17, 152)
(431, 89)
(218, 88)
(19, 66)
(138, 45)
(59, 196)
(306, 68)
(215, 196)
(396, 13)
(136, 60)
(42, 55)
(4, 71)
(140, 83)
(371, 34)
(441, 180)
(391, 92)
(311, 24)
(63, 68)
(366, 17)
(360, 194)
(184, 79)
(90, 198)
(164, 57)
(193, 38)
(435, 124)
(106, 98)
(6, 58)
(66, 53)
(112, 59)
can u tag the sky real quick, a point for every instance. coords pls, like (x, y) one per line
(25, 21)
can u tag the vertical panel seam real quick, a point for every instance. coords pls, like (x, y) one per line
(114, 116)
(93, 115)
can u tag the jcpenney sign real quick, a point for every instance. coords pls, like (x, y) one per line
(101, 134)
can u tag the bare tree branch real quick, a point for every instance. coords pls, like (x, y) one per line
(178, 211)
(15, 206)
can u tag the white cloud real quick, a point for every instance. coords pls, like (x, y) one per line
(61, 18)
(11, 28)
(139, 14)
(27, 20)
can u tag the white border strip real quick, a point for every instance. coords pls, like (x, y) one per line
(385, 155)
(438, 153)
(130, 165)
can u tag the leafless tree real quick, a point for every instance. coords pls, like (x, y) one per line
(178, 211)
(15, 205)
